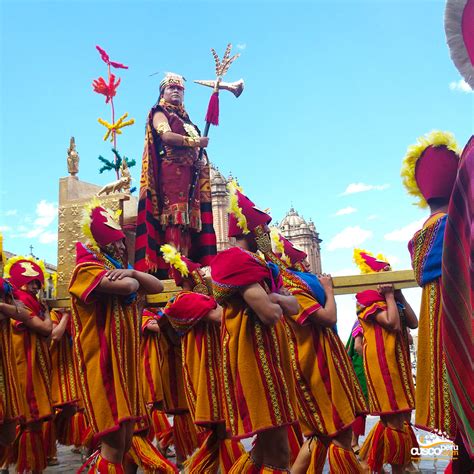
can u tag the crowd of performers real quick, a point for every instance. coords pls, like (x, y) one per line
(248, 347)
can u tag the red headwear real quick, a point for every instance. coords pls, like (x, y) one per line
(100, 226)
(285, 250)
(244, 217)
(21, 271)
(367, 263)
(180, 267)
(430, 166)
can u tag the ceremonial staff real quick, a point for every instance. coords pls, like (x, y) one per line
(212, 115)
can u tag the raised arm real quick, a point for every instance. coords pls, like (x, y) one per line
(161, 125)
(389, 319)
(411, 319)
(60, 328)
(327, 315)
(256, 297)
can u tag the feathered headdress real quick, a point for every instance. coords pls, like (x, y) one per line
(278, 246)
(23, 270)
(180, 266)
(244, 216)
(429, 167)
(99, 225)
(367, 263)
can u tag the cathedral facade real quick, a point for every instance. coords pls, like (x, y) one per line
(293, 226)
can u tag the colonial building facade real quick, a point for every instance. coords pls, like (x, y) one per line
(293, 226)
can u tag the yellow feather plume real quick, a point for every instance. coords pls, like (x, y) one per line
(278, 246)
(361, 263)
(17, 258)
(234, 208)
(173, 257)
(86, 219)
(434, 138)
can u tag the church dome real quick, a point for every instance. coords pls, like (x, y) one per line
(292, 220)
(216, 176)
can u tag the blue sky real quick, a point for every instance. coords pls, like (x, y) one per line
(335, 92)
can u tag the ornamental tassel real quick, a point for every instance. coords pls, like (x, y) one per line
(295, 440)
(148, 458)
(343, 461)
(395, 447)
(229, 451)
(212, 115)
(206, 458)
(184, 434)
(31, 454)
(318, 456)
(245, 465)
(102, 466)
(162, 428)
(372, 449)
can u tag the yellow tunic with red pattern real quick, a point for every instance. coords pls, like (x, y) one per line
(201, 350)
(258, 395)
(64, 389)
(106, 346)
(386, 359)
(150, 360)
(171, 369)
(33, 363)
(328, 393)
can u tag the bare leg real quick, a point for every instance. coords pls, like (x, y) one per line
(274, 447)
(7, 433)
(113, 446)
(301, 464)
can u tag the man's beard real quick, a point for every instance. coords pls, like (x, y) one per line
(112, 251)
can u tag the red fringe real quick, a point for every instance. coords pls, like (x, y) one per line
(295, 440)
(318, 456)
(245, 465)
(162, 428)
(71, 430)
(229, 451)
(396, 447)
(49, 439)
(373, 446)
(343, 461)
(206, 458)
(185, 434)
(31, 453)
(148, 458)
(212, 115)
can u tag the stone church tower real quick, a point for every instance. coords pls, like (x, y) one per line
(293, 226)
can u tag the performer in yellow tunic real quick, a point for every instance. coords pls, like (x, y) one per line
(107, 334)
(196, 317)
(30, 342)
(259, 395)
(11, 403)
(385, 316)
(429, 172)
(328, 393)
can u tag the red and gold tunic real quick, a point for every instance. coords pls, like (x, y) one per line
(328, 393)
(150, 359)
(200, 344)
(64, 389)
(106, 346)
(387, 363)
(258, 395)
(33, 363)
(434, 411)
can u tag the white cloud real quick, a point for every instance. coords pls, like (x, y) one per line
(345, 211)
(372, 217)
(11, 212)
(362, 187)
(348, 238)
(48, 237)
(46, 212)
(393, 260)
(460, 85)
(241, 46)
(404, 234)
(5, 228)
(345, 271)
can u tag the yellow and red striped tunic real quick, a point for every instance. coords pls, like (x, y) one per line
(258, 395)
(386, 359)
(201, 351)
(150, 360)
(64, 389)
(106, 347)
(328, 393)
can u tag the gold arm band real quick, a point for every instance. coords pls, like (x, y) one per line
(163, 127)
(191, 142)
